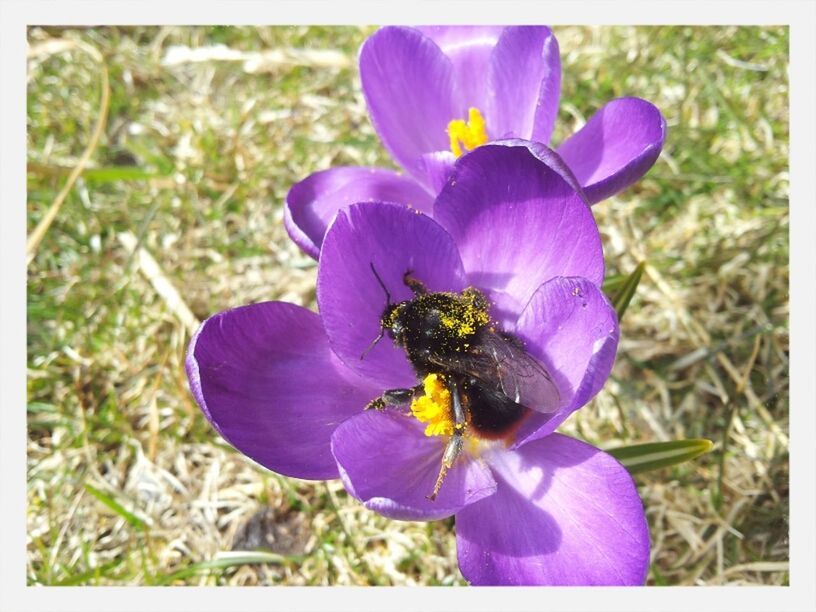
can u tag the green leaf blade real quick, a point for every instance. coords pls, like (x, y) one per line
(133, 520)
(227, 560)
(115, 174)
(626, 290)
(612, 283)
(91, 574)
(639, 458)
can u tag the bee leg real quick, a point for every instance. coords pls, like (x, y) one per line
(393, 397)
(456, 441)
(414, 284)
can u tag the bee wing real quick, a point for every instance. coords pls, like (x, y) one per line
(522, 377)
(500, 362)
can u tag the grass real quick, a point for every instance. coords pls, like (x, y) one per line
(128, 484)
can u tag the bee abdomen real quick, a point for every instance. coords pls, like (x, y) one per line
(493, 415)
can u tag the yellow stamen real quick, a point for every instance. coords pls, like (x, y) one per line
(434, 407)
(468, 135)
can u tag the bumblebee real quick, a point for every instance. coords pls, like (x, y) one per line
(452, 343)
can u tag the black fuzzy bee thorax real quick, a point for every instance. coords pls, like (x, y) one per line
(433, 326)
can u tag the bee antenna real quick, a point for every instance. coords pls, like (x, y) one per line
(387, 305)
(382, 284)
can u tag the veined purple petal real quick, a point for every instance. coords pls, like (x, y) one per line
(408, 85)
(518, 222)
(391, 466)
(524, 80)
(572, 329)
(450, 38)
(394, 240)
(266, 379)
(564, 513)
(469, 48)
(312, 203)
(616, 147)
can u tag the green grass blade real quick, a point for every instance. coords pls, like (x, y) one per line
(133, 520)
(659, 580)
(113, 174)
(626, 290)
(41, 407)
(612, 283)
(644, 457)
(225, 561)
(93, 573)
(102, 174)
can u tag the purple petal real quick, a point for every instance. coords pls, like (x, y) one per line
(391, 466)
(266, 379)
(616, 147)
(525, 81)
(518, 222)
(570, 327)
(394, 240)
(564, 513)
(469, 48)
(408, 85)
(450, 38)
(438, 167)
(312, 203)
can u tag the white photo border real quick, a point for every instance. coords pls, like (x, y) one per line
(16, 15)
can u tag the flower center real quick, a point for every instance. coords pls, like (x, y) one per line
(434, 408)
(467, 135)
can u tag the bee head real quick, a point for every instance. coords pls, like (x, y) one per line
(392, 323)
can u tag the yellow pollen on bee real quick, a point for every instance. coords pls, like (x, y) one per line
(468, 135)
(434, 408)
(467, 317)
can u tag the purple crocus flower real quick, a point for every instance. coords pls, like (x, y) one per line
(436, 92)
(288, 387)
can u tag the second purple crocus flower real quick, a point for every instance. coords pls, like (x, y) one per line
(436, 92)
(287, 386)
